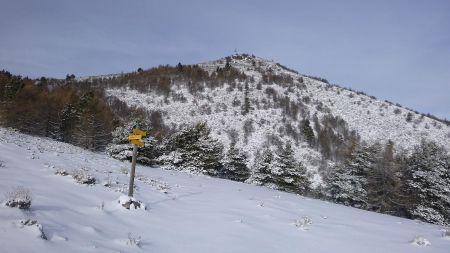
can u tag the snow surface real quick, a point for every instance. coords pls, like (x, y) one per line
(184, 212)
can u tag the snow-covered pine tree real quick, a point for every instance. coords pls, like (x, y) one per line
(175, 147)
(384, 183)
(235, 165)
(69, 118)
(288, 174)
(262, 167)
(95, 122)
(207, 152)
(347, 181)
(307, 132)
(246, 107)
(194, 149)
(428, 181)
(120, 147)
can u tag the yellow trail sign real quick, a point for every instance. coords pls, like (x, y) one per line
(138, 142)
(139, 132)
(134, 137)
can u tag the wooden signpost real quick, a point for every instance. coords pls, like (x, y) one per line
(136, 141)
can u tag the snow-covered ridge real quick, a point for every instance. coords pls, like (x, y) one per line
(373, 120)
(88, 78)
(185, 213)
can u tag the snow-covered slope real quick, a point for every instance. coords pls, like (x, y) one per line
(185, 213)
(373, 120)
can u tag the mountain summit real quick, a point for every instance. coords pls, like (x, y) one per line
(264, 102)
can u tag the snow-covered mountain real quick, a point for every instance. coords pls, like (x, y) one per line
(279, 99)
(184, 212)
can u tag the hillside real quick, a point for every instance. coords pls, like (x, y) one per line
(249, 120)
(185, 213)
(277, 101)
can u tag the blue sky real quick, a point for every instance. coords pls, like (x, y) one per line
(395, 50)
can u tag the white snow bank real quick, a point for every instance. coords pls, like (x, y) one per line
(194, 213)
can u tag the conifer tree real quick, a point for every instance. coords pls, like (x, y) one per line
(262, 167)
(193, 148)
(235, 165)
(69, 117)
(206, 153)
(95, 123)
(227, 64)
(324, 143)
(308, 132)
(246, 107)
(180, 67)
(384, 183)
(428, 182)
(347, 181)
(287, 173)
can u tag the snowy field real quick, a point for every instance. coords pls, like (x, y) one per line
(184, 213)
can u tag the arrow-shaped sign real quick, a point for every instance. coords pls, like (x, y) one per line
(134, 137)
(139, 132)
(138, 142)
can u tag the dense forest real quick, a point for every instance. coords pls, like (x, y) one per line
(63, 112)
(374, 177)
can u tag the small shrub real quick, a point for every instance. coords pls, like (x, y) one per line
(179, 96)
(108, 182)
(61, 172)
(306, 99)
(82, 177)
(421, 241)
(124, 171)
(303, 223)
(446, 233)
(19, 198)
(236, 102)
(259, 86)
(205, 109)
(134, 240)
(409, 117)
(397, 111)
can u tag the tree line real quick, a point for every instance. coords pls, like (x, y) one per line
(194, 149)
(377, 178)
(371, 177)
(81, 116)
